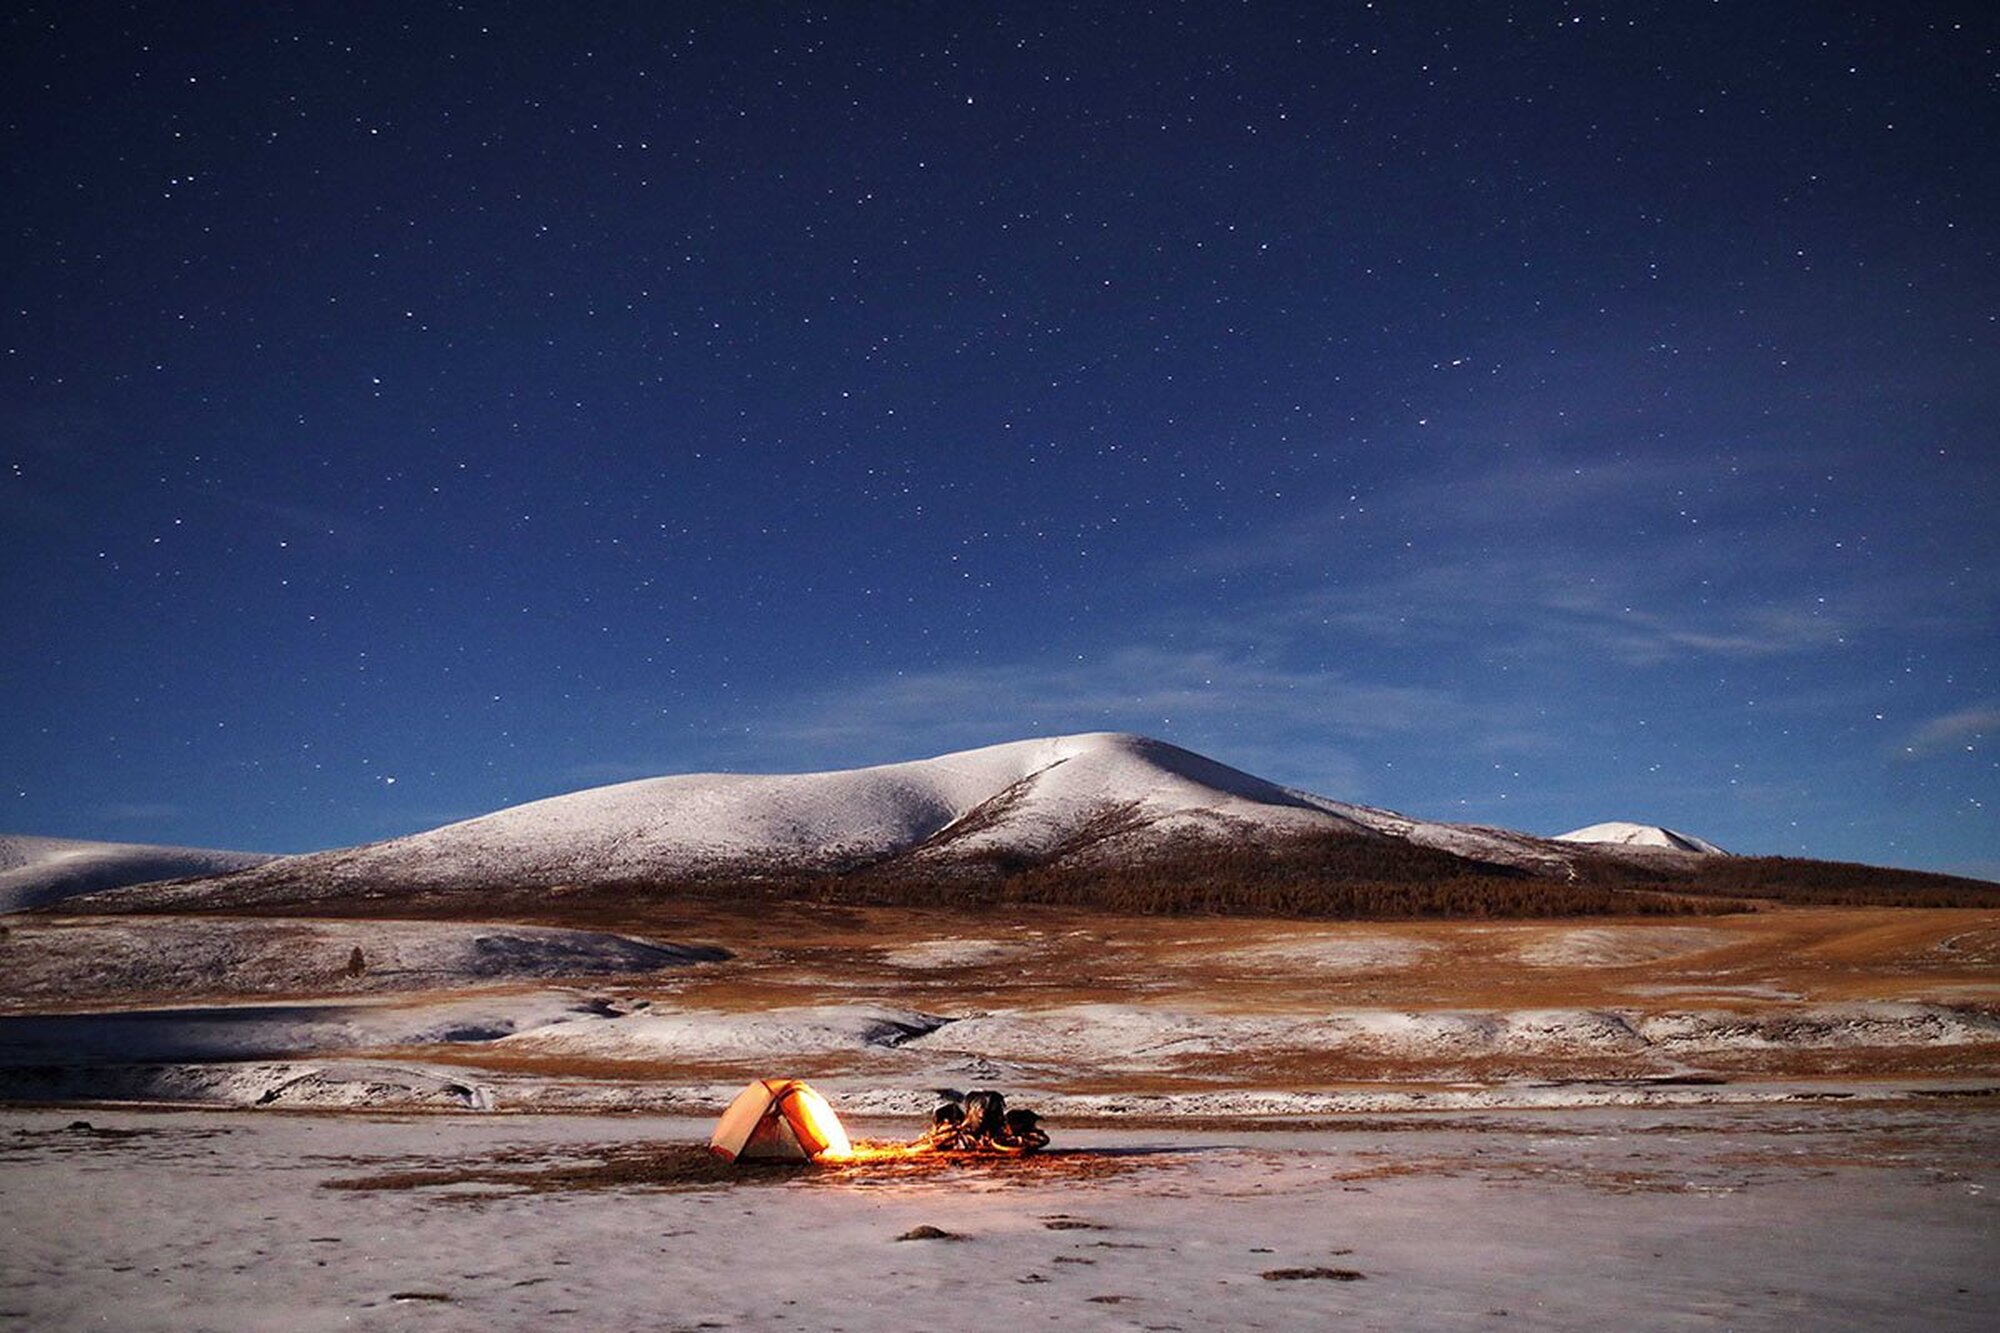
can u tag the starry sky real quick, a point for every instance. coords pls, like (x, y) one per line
(1515, 413)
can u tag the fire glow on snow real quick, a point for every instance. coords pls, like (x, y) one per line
(786, 1120)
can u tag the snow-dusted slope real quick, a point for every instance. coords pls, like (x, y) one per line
(1619, 833)
(37, 871)
(1029, 798)
(1096, 796)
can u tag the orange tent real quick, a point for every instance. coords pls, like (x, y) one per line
(779, 1119)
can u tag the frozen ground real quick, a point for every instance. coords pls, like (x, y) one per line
(1149, 1037)
(564, 1049)
(1743, 1165)
(72, 962)
(1804, 1217)
(528, 1047)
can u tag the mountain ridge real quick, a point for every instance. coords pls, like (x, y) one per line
(1101, 819)
(1091, 799)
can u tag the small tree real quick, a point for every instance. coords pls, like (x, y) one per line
(356, 964)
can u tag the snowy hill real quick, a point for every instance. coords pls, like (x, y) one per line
(1618, 833)
(37, 871)
(1098, 798)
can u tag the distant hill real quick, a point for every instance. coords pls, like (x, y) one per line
(1103, 819)
(1621, 834)
(35, 872)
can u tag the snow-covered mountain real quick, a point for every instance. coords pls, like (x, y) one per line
(1619, 833)
(1098, 798)
(37, 871)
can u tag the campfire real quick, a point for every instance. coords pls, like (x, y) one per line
(787, 1120)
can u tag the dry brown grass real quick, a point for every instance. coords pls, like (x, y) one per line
(1062, 955)
(803, 954)
(1059, 957)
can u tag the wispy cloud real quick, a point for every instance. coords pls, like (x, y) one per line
(344, 532)
(1439, 639)
(1643, 561)
(1641, 637)
(1954, 731)
(1129, 686)
(1295, 725)
(138, 812)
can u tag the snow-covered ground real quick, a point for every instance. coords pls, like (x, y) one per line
(1617, 946)
(1147, 1037)
(78, 962)
(698, 1036)
(268, 1031)
(1350, 952)
(1835, 1173)
(951, 952)
(518, 1049)
(1803, 1217)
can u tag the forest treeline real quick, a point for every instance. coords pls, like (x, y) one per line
(1337, 876)
(1328, 876)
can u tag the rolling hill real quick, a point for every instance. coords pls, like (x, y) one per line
(1101, 804)
(35, 872)
(1102, 819)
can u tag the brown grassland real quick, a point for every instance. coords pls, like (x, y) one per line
(1313, 928)
(1014, 958)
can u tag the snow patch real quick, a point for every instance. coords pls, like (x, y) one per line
(82, 960)
(952, 953)
(1338, 953)
(1619, 946)
(284, 1085)
(700, 1034)
(1131, 1038)
(273, 1031)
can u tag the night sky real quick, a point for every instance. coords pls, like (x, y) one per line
(1512, 413)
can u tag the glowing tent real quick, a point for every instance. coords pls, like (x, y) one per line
(779, 1119)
